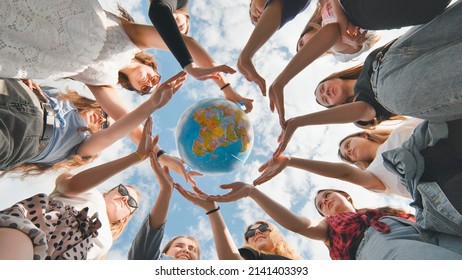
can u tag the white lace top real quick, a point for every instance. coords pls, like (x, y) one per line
(62, 39)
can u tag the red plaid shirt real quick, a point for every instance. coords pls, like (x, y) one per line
(346, 230)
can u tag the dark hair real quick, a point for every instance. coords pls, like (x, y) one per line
(143, 58)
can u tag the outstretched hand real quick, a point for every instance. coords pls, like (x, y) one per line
(232, 95)
(271, 168)
(167, 89)
(162, 173)
(146, 144)
(205, 73)
(197, 197)
(247, 69)
(238, 190)
(285, 136)
(276, 97)
(178, 166)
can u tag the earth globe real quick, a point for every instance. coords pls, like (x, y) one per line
(214, 136)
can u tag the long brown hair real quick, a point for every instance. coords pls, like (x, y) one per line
(373, 135)
(34, 169)
(170, 242)
(389, 210)
(281, 247)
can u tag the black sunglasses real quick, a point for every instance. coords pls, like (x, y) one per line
(105, 123)
(252, 232)
(145, 89)
(131, 201)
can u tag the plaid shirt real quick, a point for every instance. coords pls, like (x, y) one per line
(346, 230)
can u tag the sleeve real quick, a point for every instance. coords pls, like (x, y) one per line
(146, 245)
(290, 9)
(161, 15)
(249, 254)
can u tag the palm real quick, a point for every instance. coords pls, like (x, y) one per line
(238, 190)
(270, 169)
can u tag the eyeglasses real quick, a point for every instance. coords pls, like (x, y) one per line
(145, 89)
(104, 124)
(124, 192)
(252, 232)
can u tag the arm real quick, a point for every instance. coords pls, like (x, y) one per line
(275, 210)
(320, 43)
(106, 137)
(341, 171)
(226, 248)
(346, 113)
(265, 28)
(90, 178)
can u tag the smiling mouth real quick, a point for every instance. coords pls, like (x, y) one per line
(183, 257)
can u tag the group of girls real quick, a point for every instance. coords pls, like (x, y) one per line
(77, 222)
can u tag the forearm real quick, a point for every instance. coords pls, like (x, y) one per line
(322, 168)
(159, 211)
(265, 28)
(319, 44)
(225, 246)
(279, 213)
(162, 18)
(92, 177)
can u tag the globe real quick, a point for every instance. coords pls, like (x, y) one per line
(214, 136)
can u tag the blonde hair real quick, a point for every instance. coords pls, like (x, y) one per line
(281, 247)
(118, 227)
(82, 104)
(374, 135)
(170, 242)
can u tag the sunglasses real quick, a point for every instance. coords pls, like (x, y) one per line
(105, 124)
(145, 89)
(124, 192)
(251, 232)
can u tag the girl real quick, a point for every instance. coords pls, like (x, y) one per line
(46, 131)
(263, 241)
(350, 233)
(75, 221)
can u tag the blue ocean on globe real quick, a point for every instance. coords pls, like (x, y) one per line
(214, 136)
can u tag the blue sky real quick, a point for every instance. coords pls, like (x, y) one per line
(223, 28)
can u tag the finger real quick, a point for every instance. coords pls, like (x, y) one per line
(226, 186)
(195, 173)
(261, 84)
(264, 166)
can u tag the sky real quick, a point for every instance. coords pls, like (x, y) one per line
(223, 27)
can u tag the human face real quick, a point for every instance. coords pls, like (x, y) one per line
(143, 78)
(357, 149)
(332, 92)
(96, 119)
(183, 249)
(261, 239)
(304, 39)
(182, 20)
(121, 201)
(256, 10)
(331, 203)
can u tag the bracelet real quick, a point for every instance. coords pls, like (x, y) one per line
(159, 153)
(213, 210)
(225, 86)
(139, 155)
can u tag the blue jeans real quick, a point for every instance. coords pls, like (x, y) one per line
(21, 124)
(421, 74)
(404, 242)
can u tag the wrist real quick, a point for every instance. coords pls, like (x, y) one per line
(213, 210)
(138, 156)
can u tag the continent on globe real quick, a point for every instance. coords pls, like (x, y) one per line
(214, 136)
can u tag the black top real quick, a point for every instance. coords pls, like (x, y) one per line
(363, 92)
(161, 15)
(251, 254)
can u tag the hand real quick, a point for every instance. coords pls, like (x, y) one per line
(162, 174)
(204, 73)
(232, 95)
(34, 87)
(197, 197)
(177, 165)
(165, 91)
(147, 145)
(238, 190)
(247, 69)
(285, 136)
(271, 168)
(276, 97)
